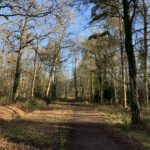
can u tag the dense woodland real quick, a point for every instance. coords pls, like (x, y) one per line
(41, 56)
(74, 74)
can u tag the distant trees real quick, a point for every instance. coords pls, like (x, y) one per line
(101, 50)
(37, 43)
(144, 42)
(24, 39)
(29, 26)
(123, 11)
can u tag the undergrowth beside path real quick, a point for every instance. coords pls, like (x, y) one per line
(119, 119)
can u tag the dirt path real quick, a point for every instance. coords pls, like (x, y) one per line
(45, 129)
(89, 132)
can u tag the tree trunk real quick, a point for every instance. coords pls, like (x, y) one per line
(124, 95)
(123, 80)
(66, 90)
(101, 88)
(54, 92)
(17, 76)
(18, 63)
(34, 76)
(49, 84)
(124, 92)
(91, 86)
(75, 79)
(145, 53)
(131, 62)
(115, 90)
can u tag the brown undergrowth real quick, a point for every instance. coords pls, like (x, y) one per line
(41, 129)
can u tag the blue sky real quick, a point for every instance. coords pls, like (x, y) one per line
(80, 31)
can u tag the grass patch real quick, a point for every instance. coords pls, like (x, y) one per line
(119, 119)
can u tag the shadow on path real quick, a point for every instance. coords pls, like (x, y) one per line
(89, 132)
(82, 128)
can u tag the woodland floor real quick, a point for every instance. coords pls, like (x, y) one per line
(60, 126)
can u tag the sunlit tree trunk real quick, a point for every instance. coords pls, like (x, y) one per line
(145, 12)
(34, 76)
(124, 94)
(49, 84)
(75, 79)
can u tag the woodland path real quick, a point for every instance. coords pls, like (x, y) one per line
(86, 128)
(89, 131)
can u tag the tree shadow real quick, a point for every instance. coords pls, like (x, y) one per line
(35, 134)
(63, 136)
